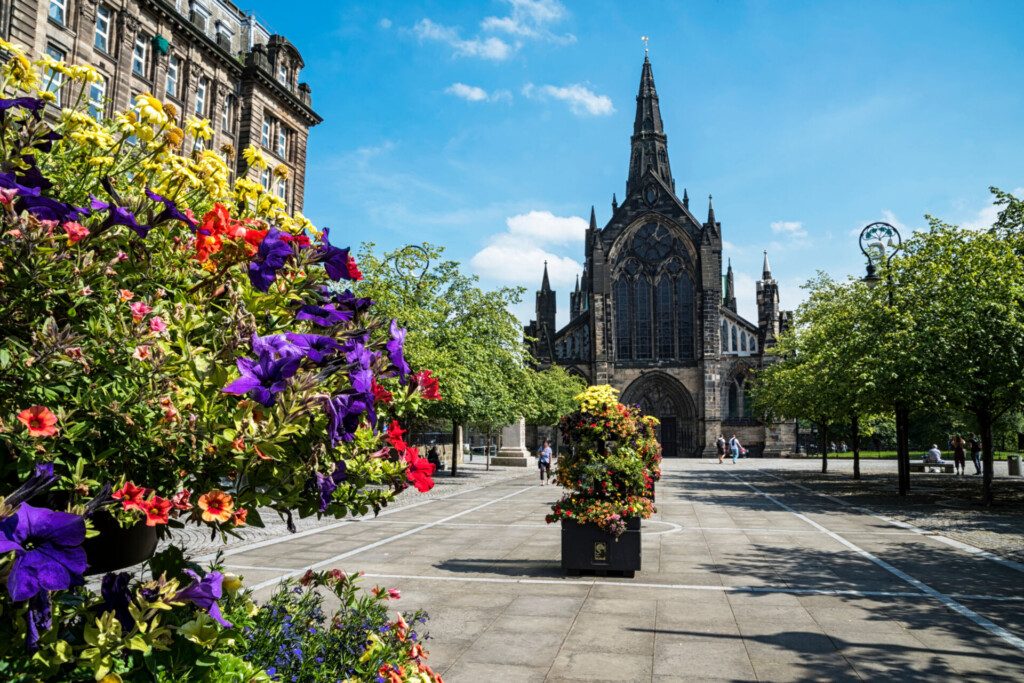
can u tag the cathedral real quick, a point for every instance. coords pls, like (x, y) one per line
(654, 316)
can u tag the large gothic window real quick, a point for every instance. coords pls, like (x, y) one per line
(664, 313)
(642, 316)
(734, 346)
(734, 400)
(623, 338)
(725, 336)
(684, 311)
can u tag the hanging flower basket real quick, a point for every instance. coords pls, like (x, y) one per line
(118, 547)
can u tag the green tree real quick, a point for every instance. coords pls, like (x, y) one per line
(552, 393)
(465, 334)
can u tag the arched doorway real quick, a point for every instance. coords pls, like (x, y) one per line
(665, 398)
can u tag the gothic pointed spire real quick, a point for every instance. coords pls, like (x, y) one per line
(686, 199)
(730, 288)
(545, 285)
(615, 203)
(767, 269)
(593, 218)
(577, 282)
(649, 142)
(711, 211)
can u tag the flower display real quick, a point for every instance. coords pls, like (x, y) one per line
(216, 506)
(47, 546)
(613, 465)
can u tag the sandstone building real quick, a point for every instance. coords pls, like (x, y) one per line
(653, 314)
(207, 57)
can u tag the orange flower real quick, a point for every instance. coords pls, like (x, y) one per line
(131, 497)
(40, 421)
(125, 294)
(239, 517)
(156, 509)
(217, 506)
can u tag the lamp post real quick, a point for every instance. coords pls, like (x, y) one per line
(879, 242)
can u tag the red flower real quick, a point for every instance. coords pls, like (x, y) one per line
(181, 500)
(206, 245)
(156, 509)
(380, 394)
(40, 421)
(427, 383)
(394, 436)
(353, 269)
(240, 516)
(131, 497)
(419, 471)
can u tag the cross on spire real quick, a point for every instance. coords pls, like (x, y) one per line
(645, 39)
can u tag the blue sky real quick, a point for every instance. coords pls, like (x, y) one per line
(491, 127)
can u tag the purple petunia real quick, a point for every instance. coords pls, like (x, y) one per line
(32, 104)
(396, 349)
(204, 593)
(324, 316)
(39, 619)
(48, 553)
(119, 215)
(347, 301)
(117, 597)
(10, 182)
(278, 345)
(270, 258)
(315, 347)
(344, 413)
(322, 486)
(263, 377)
(170, 211)
(335, 260)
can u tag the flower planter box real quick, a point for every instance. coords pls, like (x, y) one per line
(588, 548)
(116, 548)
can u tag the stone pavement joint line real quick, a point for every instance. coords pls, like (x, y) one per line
(899, 573)
(959, 545)
(384, 541)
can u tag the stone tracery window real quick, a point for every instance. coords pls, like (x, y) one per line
(642, 319)
(623, 338)
(664, 318)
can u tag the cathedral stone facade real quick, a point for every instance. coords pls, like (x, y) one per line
(654, 316)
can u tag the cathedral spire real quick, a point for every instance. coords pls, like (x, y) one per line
(730, 289)
(766, 273)
(711, 212)
(649, 143)
(545, 285)
(593, 218)
(686, 199)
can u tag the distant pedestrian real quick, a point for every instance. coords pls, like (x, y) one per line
(832, 447)
(976, 453)
(544, 462)
(734, 448)
(842, 446)
(720, 447)
(959, 459)
(934, 456)
(434, 457)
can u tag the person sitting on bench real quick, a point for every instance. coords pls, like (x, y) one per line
(934, 456)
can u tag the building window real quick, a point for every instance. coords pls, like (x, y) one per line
(97, 93)
(753, 345)
(685, 313)
(623, 339)
(265, 133)
(663, 314)
(282, 73)
(282, 188)
(102, 36)
(139, 56)
(173, 67)
(732, 334)
(265, 179)
(282, 141)
(58, 11)
(725, 336)
(643, 319)
(55, 79)
(201, 88)
(227, 121)
(743, 342)
(734, 400)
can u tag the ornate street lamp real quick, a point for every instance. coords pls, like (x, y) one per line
(411, 263)
(879, 242)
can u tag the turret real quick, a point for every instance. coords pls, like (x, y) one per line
(769, 318)
(730, 289)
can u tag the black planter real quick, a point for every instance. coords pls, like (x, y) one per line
(116, 547)
(588, 548)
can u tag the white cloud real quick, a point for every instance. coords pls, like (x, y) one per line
(582, 101)
(384, 23)
(529, 19)
(989, 214)
(472, 93)
(791, 229)
(512, 262)
(545, 227)
(492, 48)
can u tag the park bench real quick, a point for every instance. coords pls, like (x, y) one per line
(922, 466)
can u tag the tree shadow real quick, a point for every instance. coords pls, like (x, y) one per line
(503, 567)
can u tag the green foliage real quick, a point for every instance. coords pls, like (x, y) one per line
(551, 394)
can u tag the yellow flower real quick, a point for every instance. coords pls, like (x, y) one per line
(198, 128)
(254, 157)
(101, 161)
(19, 69)
(46, 96)
(281, 171)
(175, 136)
(151, 110)
(84, 73)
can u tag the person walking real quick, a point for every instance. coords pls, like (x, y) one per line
(720, 447)
(959, 456)
(735, 448)
(544, 462)
(976, 453)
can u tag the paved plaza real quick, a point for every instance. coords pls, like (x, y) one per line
(746, 576)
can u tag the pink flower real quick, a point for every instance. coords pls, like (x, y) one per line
(142, 353)
(86, 291)
(139, 310)
(125, 294)
(76, 231)
(49, 226)
(157, 324)
(121, 256)
(7, 195)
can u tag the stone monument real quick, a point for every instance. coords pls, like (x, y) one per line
(513, 451)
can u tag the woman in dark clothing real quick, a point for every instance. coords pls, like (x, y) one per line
(959, 459)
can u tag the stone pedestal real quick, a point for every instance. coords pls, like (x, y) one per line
(513, 451)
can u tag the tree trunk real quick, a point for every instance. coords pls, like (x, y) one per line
(903, 448)
(823, 433)
(855, 437)
(487, 450)
(455, 444)
(984, 417)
